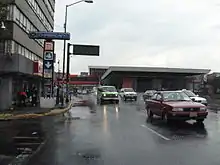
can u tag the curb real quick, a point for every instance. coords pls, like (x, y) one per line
(28, 158)
(34, 115)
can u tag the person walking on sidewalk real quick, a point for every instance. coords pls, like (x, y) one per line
(34, 96)
(22, 98)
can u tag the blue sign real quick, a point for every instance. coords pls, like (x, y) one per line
(48, 64)
(48, 56)
(49, 35)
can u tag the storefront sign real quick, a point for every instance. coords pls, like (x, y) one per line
(38, 68)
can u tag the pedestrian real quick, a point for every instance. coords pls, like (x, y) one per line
(34, 96)
(23, 96)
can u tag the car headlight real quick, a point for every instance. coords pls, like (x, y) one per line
(104, 95)
(177, 109)
(203, 109)
(116, 95)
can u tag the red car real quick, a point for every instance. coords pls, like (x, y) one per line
(175, 105)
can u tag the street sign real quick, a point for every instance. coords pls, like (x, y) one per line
(47, 82)
(48, 73)
(48, 64)
(49, 35)
(49, 46)
(86, 50)
(48, 56)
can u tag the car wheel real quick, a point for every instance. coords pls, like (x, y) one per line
(149, 113)
(199, 120)
(117, 102)
(135, 99)
(101, 101)
(125, 99)
(166, 118)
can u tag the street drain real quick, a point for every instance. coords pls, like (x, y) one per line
(89, 156)
(177, 137)
(75, 118)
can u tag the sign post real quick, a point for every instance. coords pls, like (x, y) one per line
(48, 53)
(83, 50)
(48, 67)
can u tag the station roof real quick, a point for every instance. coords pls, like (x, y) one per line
(98, 67)
(154, 70)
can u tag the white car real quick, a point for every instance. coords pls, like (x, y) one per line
(128, 93)
(195, 97)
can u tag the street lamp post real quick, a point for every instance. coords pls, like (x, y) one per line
(65, 29)
(65, 26)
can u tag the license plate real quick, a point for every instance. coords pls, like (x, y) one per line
(193, 114)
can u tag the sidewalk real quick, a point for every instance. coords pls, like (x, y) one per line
(22, 110)
(33, 112)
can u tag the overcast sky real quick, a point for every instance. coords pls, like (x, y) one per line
(165, 33)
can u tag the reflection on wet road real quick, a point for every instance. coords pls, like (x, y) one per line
(120, 135)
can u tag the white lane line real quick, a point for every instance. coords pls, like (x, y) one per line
(156, 133)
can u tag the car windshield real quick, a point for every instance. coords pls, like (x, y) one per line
(175, 96)
(128, 90)
(108, 89)
(190, 93)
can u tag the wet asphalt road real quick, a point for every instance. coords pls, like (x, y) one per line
(120, 135)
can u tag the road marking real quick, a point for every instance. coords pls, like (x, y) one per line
(158, 134)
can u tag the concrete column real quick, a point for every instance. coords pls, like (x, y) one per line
(135, 84)
(157, 84)
(127, 82)
(5, 93)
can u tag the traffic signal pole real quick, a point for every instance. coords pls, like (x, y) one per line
(68, 72)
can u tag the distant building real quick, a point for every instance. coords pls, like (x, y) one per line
(213, 83)
(84, 73)
(157, 78)
(98, 71)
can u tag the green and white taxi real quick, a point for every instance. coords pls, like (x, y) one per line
(107, 93)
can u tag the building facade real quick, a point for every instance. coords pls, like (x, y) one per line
(157, 78)
(18, 53)
(98, 71)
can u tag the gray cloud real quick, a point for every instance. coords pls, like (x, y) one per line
(170, 33)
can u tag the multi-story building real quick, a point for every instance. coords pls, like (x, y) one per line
(18, 53)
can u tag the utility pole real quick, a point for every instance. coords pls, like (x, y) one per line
(58, 84)
(68, 72)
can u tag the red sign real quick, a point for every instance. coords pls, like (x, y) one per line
(38, 68)
(48, 46)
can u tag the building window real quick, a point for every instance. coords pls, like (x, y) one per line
(24, 22)
(49, 7)
(40, 14)
(10, 12)
(14, 47)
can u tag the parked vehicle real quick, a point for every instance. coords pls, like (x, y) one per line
(128, 94)
(175, 105)
(195, 97)
(148, 94)
(107, 93)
